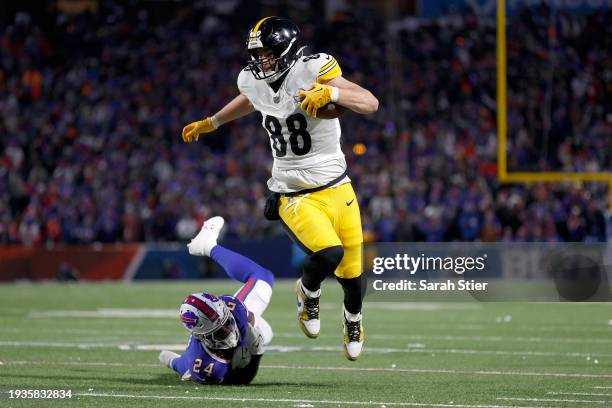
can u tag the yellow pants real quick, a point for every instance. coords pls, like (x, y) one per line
(325, 219)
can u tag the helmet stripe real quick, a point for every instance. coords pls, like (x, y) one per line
(202, 307)
(256, 28)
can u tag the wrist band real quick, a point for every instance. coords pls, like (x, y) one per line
(215, 121)
(335, 94)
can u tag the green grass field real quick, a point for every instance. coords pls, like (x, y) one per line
(90, 338)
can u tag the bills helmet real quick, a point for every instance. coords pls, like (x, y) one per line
(209, 320)
(279, 35)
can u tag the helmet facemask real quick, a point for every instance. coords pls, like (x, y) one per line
(280, 63)
(224, 337)
(278, 36)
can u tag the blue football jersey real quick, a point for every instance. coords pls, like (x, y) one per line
(210, 366)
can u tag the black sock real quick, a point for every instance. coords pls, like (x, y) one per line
(320, 265)
(354, 291)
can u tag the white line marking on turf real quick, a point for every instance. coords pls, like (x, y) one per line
(302, 401)
(171, 314)
(380, 350)
(104, 313)
(530, 328)
(466, 338)
(579, 393)
(57, 344)
(445, 371)
(551, 400)
(317, 368)
(152, 347)
(603, 388)
(290, 349)
(131, 332)
(79, 363)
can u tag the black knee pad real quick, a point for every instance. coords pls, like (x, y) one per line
(328, 258)
(320, 265)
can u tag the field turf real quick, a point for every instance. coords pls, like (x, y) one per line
(96, 340)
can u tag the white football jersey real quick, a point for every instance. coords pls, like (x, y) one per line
(306, 150)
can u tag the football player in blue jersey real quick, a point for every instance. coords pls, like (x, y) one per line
(228, 333)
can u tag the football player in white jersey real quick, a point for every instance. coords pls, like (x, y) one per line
(313, 196)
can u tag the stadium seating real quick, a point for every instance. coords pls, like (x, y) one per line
(91, 109)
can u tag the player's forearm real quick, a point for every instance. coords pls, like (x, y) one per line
(235, 109)
(357, 99)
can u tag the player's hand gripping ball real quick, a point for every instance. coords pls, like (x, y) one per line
(317, 103)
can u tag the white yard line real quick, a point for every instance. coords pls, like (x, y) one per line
(551, 400)
(77, 363)
(108, 313)
(120, 313)
(323, 368)
(60, 344)
(481, 325)
(465, 338)
(603, 388)
(383, 350)
(122, 345)
(296, 401)
(593, 394)
(448, 371)
(131, 332)
(169, 333)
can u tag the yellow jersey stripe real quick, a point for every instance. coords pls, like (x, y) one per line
(256, 28)
(330, 73)
(324, 67)
(328, 68)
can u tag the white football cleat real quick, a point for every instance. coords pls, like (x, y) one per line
(308, 312)
(353, 336)
(166, 357)
(206, 240)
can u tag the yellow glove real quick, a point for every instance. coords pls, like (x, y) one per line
(316, 97)
(192, 131)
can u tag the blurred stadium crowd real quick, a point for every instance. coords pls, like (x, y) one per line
(92, 107)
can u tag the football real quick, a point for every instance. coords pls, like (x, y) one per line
(330, 111)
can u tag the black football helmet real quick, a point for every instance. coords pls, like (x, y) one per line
(282, 37)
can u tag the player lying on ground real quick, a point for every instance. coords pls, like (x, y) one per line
(228, 333)
(313, 199)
